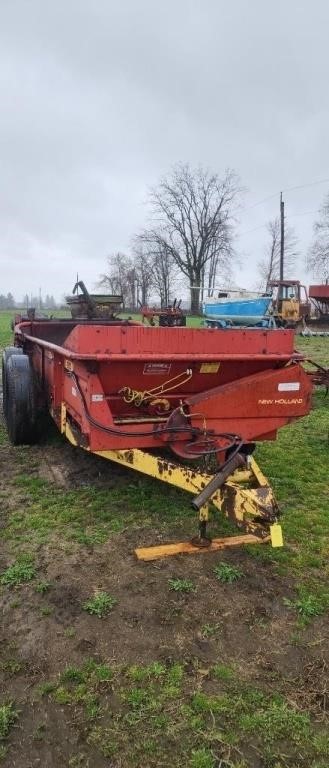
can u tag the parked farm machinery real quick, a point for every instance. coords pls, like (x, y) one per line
(295, 307)
(318, 374)
(183, 405)
(169, 316)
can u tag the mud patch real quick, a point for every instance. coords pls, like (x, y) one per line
(68, 467)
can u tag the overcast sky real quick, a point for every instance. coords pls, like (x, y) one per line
(99, 98)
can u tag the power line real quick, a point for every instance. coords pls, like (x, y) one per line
(309, 184)
(248, 231)
(286, 189)
(304, 213)
(265, 199)
(262, 226)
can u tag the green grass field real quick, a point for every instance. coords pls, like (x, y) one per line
(207, 661)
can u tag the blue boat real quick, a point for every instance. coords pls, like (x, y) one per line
(242, 310)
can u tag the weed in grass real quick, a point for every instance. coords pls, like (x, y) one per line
(42, 586)
(137, 697)
(46, 610)
(202, 704)
(39, 733)
(258, 622)
(18, 573)
(181, 585)
(80, 694)
(139, 673)
(227, 574)
(210, 630)
(202, 758)
(175, 674)
(8, 716)
(100, 605)
(194, 722)
(102, 738)
(150, 747)
(173, 681)
(102, 673)
(223, 672)
(78, 761)
(307, 605)
(61, 695)
(297, 639)
(72, 675)
(80, 686)
(69, 632)
(156, 670)
(3, 751)
(44, 689)
(15, 604)
(92, 706)
(99, 536)
(276, 720)
(321, 743)
(11, 666)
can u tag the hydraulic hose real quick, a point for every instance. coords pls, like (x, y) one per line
(235, 440)
(236, 460)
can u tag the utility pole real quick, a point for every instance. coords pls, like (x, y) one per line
(282, 237)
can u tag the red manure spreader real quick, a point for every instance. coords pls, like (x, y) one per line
(184, 405)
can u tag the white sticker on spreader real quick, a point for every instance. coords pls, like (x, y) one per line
(289, 386)
(97, 398)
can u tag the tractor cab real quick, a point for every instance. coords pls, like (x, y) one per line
(290, 303)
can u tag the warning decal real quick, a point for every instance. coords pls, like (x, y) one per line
(209, 367)
(156, 369)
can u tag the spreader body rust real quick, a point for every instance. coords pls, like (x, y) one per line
(147, 396)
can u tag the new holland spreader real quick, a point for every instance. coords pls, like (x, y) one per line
(180, 404)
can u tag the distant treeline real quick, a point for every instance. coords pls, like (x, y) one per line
(9, 302)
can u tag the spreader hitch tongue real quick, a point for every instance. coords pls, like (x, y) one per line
(216, 482)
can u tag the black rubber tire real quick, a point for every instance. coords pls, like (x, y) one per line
(20, 400)
(7, 353)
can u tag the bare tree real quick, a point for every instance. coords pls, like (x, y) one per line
(115, 279)
(131, 277)
(192, 218)
(132, 285)
(163, 269)
(217, 264)
(269, 266)
(144, 271)
(318, 255)
(164, 275)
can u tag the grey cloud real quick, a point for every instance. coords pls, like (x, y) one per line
(99, 98)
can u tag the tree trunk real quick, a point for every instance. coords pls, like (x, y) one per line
(195, 298)
(166, 292)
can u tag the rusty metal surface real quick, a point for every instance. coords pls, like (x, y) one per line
(218, 480)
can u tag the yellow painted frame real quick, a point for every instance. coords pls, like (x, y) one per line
(245, 497)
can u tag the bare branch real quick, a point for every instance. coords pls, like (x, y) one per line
(318, 256)
(192, 222)
(269, 266)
